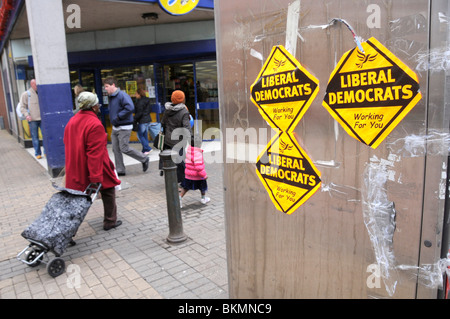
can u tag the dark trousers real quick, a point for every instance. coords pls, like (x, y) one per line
(109, 206)
(180, 166)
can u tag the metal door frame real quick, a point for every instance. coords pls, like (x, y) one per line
(434, 234)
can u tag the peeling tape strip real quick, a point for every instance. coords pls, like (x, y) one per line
(379, 218)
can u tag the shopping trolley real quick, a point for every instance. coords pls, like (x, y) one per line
(53, 230)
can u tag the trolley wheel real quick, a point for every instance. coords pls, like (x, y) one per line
(56, 267)
(31, 255)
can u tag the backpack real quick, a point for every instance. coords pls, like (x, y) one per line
(19, 106)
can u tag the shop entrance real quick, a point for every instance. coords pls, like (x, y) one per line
(87, 78)
(177, 76)
(88, 81)
(198, 81)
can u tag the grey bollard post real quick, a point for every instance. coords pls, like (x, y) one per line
(176, 234)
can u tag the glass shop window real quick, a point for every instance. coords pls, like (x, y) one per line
(129, 79)
(207, 94)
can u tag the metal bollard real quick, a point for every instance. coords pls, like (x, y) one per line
(176, 234)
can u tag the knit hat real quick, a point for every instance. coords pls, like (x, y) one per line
(177, 97)
(87, 100)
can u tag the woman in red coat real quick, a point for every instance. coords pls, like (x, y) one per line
(87, 159)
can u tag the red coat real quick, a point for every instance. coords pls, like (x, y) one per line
(87, 159)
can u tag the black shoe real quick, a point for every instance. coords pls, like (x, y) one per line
(121, 174)
(161, 173)
(118, 223)
(145, 164)
(72, 243)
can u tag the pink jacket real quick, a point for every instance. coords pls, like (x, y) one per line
(195, 166)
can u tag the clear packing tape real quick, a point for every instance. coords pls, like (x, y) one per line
(430, 275)
(379, 212)
(380, 215)
(432, 143)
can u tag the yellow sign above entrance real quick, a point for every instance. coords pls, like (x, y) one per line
(287, 173)
(370, 93)
(178, 7)
(283, 90)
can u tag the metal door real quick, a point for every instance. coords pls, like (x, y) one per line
(375, 227)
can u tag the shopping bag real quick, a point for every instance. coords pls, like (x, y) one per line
(19, 113)
(159, 141)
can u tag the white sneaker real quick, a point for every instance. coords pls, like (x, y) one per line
(205, 200)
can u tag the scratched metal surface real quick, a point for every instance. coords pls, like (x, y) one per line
(330, 246)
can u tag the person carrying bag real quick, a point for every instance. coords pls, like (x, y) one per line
(176, 116)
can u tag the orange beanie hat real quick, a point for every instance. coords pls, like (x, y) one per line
(177, 97)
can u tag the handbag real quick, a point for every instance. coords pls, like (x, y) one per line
(19, 113)
(19, 106)
(159, 141)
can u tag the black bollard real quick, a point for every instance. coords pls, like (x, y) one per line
(176, 234)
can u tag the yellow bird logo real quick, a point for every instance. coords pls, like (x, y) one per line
(285, 147)
(278, 64)
(365, 58)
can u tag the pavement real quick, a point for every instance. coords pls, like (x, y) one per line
(133, 261)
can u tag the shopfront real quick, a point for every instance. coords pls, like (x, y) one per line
(197, 78)
(159, 54)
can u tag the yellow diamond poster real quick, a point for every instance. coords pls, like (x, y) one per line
(287, 173)
(283, 90)
(370, 92)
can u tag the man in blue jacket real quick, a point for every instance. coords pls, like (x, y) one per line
(121, 110)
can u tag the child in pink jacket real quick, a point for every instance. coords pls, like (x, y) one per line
(195, 174)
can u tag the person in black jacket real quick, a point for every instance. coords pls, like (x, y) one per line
(142, 119)
(121, 110)
(177, 129)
